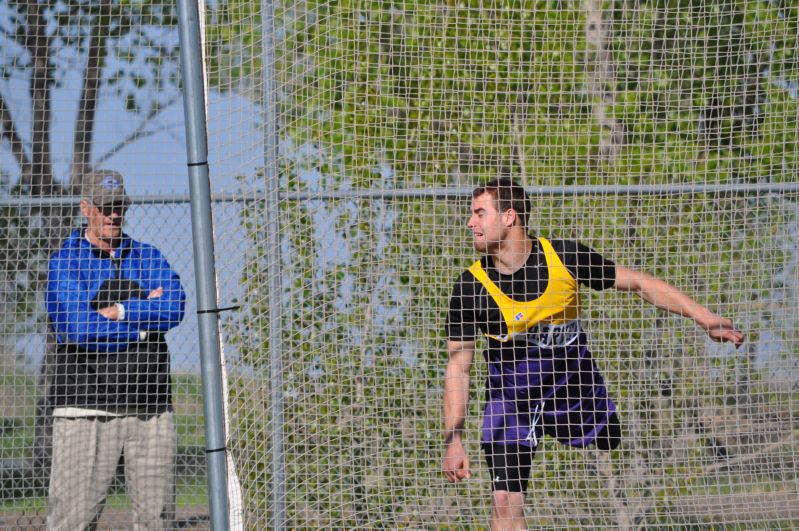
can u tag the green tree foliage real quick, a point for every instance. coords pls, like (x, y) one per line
(382, 96)
(706, 90)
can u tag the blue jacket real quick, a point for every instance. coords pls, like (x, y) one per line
(99, 362)
(74, 277)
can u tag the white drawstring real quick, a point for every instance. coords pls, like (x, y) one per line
(537, 411)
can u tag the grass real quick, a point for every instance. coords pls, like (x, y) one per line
(190, 494)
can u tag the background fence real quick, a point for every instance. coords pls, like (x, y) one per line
(663, 134)
(158, 219)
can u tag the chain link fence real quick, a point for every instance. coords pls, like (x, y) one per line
(663, 135)
(25, 444)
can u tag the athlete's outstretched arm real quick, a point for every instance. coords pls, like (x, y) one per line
(456, 402)
(669, 298)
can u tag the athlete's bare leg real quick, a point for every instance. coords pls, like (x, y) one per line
(507, 511)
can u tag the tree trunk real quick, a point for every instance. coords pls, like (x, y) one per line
(601, 80)
(40, 178)
(84, 125)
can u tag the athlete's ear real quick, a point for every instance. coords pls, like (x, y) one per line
(509, 217)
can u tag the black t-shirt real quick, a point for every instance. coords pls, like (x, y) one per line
(472, 309)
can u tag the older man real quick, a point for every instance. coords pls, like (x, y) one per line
(110, 300)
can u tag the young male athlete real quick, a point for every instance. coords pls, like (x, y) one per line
(523, 295)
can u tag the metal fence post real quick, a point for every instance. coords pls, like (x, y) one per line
(272, 239)
(205, 272)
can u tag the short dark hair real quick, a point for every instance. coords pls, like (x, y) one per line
(508, 194)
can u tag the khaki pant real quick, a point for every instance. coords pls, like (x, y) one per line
(85, 456)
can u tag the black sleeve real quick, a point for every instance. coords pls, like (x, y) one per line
(117, 290)
(588, 266)
(461, 319)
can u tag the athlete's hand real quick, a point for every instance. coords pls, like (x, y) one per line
(456, 462)
(721, 329)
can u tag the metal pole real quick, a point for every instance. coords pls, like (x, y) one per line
(607, 190)
(272, 240)
(205, 273)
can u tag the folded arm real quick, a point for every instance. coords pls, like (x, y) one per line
(74, 319)
(165, 305)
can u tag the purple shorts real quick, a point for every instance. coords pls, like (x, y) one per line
(557, 391)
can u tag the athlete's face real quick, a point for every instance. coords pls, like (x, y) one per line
(489, 226)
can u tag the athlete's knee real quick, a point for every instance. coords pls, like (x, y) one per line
(507, 511)
(507, 502)
(607, 442)
(607, 445)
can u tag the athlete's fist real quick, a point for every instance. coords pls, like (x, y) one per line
(721, 329)
(456, 463)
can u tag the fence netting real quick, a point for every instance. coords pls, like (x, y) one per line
(661, 134)
(93, 86)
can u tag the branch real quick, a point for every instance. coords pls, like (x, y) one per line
(518, 140)
(139, 132)
(8, 131)
(598, 33)
(789, 440)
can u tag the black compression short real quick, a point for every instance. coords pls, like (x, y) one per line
(510, 464)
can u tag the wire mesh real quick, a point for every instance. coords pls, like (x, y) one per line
(661, 134)
(385, 113)
(89, 85)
